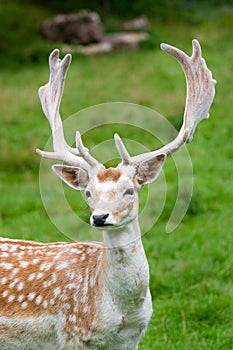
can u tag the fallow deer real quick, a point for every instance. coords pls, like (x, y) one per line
(87, 295)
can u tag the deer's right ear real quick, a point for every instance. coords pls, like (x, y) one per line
(74, 177)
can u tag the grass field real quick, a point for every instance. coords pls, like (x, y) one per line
(191, 269)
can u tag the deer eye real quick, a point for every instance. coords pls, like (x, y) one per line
(129, 191)
(88, 194)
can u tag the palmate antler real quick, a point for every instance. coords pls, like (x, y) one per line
(50, 97)
(200, 95)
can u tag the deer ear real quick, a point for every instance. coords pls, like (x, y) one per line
(74, 177)
(149, 170)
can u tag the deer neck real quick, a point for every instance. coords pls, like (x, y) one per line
(122, 237)
(128, 272)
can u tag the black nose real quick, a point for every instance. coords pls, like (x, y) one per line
(99, 220)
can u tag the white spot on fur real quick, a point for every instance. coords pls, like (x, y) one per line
(31, 277)
(4, 255)
(13, 283)
(13, 248)
(66, 306)
(7, 266)
(5, 293)
(76, 308)
(35, 261)
(54, 277)
(5, 247)
(62, 265)
(45, 304)
(44, 266)
(24, 264)
(50, 282)
(49, 253)
(19, 255)
(4, 280)
(85, 284)
(11, 298)
(74, 250)
(31, 296)
(47, 284)
(20, 286)
(86, 309)
(20, 298)
(72, 318)
(24, 305)
(89, 250)
(39, 275)
(71, 286)
(38, 299)
(14, 272)
(84, 299)
(57, 291)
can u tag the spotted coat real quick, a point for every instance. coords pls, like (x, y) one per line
(55, 295)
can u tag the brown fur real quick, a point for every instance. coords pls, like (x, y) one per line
(71, 289)
(110, 174)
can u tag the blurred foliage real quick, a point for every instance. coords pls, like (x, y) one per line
(21, 41)
(160, 9)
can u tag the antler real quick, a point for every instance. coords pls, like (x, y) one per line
(50, 97)
(200, 95)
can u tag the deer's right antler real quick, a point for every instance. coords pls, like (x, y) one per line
(50, 97)
(200, 95)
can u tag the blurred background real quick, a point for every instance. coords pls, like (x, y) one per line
(21, 39)
(117, 58)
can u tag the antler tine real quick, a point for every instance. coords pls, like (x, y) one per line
(84, 152)
(122, 150)
(200, 95)
(66, 157)
(50, 97)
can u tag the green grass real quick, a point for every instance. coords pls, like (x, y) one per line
(191, 269)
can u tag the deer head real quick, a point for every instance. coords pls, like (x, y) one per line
(112, 193)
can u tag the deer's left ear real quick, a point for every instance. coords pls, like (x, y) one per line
(149, 170)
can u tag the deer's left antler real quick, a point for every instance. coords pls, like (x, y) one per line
(200, 95)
